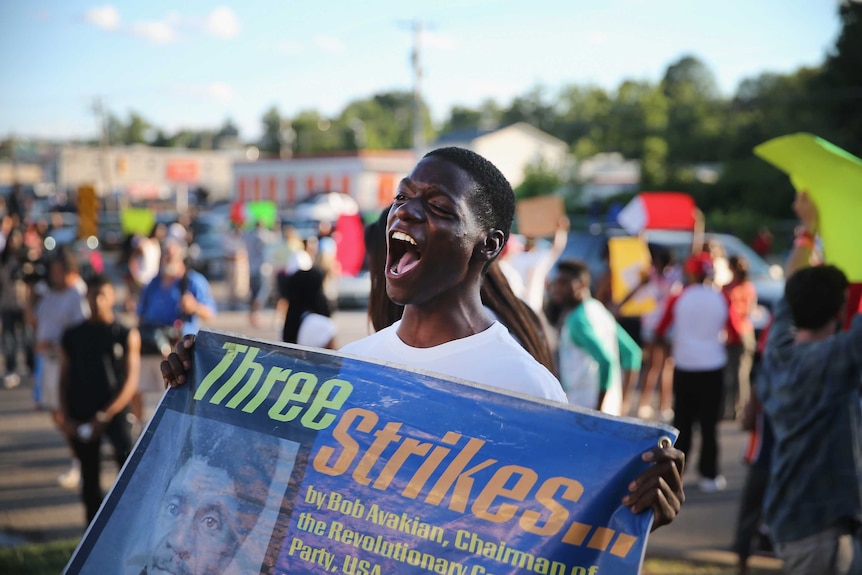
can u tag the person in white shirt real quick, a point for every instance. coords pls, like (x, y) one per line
(699, 316)
(450, 219)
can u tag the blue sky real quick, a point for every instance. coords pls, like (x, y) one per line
(196, 63)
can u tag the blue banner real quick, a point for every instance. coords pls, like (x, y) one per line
(280, 459)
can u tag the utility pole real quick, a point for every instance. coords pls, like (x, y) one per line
(418, 125)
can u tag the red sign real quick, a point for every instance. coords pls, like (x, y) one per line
(183, 171)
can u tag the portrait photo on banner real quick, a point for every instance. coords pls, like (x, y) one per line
(204, 499)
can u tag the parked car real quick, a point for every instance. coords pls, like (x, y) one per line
(590, 246)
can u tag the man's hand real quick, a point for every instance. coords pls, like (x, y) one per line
(807, 212)
(69, 427)
(660, 486)
(178, 364)
(188, 304)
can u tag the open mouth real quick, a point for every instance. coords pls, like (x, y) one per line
(404, 254)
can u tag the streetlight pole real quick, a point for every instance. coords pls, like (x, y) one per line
(418, 127)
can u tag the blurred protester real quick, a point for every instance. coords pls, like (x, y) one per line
(664, 280)
(721, 272)
(14, 295)
(256, 242)
(698, 317)
(236, 267)
(594, 348)
(513, 275)
(496, 295)
(144, 255)
(750, 526)
(762, 243)
(16, 205)
(307, 320)
(99, 369)
(741, 341)
(60, 304)
(534, 265)
(326, 259)
(6, 227)
(173, 304)
(809, 384)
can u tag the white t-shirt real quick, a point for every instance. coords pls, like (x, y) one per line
(315, 330)
(59, 310)
(699, 318)
(491, 358)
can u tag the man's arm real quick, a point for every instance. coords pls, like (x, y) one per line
(584, 336)
(782, 332)
(68, 426)
(198, 300)
(132, 376)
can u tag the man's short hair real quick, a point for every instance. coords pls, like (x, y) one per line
(576, 268)
(67, 259)
(248, 457)
(815, 295)
(493, 199)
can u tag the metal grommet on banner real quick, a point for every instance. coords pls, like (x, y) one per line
(664, 442)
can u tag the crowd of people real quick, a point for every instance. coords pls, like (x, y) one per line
(448, 296)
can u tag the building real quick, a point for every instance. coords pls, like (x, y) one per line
(512, 148)
(142, 173)
(606, 175)
(369, 176)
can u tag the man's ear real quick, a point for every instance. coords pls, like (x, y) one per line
(493, 244)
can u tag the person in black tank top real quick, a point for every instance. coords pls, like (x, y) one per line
(99, 371)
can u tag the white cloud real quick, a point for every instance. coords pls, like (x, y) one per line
(329, 44)
(221, 22)
(219, 91)
(597, 38)
(156, 31)
(106, 17)
(215, 91)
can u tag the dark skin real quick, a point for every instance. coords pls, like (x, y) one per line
(441, 295)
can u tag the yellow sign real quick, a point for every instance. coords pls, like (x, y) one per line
(88, 212)
(630, 261)
(833, 179)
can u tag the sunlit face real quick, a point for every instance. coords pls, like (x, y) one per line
(197, 522)
(566, 289)
(432, 233)
(172, 260)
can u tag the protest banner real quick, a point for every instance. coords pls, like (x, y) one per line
(630, 263)
(539, 217)
(281, 459)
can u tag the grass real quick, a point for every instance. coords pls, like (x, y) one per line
(36, 558)
(51, 558)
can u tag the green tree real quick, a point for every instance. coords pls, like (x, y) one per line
(539, 180)
(842, 80)
(136, 129)
(695, 113)
(270, 141)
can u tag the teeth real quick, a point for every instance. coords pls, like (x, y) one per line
(403, 237)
